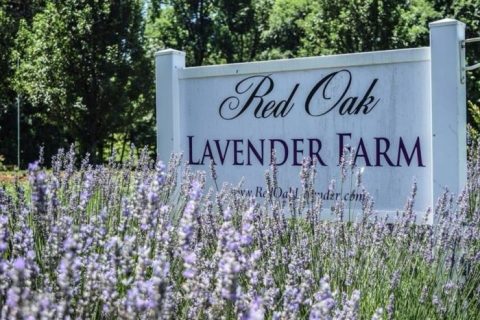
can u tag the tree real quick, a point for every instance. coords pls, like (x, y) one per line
(468, 11)
(12, 14)
(234, 23)
(8, 30)
(209, 31)
(349, 26)
(286, 28)
(184, 25)
(85, 69)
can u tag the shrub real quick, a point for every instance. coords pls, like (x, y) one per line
(144, 240)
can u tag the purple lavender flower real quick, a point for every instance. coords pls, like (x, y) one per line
(256, 310)
(324, 301)
(4, 234)
(128, 242)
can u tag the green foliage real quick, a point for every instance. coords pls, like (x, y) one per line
(225, 31)
(7, 33)
(287, 29)
(352, 26)
(468, 11)
(474, 112)
(12, 14)
(209, 31)
(413, 30)
(234, 20)
(6, 39)
(85, 70)
(184, 25)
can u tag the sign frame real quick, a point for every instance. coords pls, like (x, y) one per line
(447, 95)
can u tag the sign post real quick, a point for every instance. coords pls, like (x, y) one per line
(167, 66)
(449, 134)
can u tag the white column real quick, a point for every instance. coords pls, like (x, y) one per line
(448, 106)
(167, 91)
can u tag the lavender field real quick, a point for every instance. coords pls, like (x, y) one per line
(142, 240)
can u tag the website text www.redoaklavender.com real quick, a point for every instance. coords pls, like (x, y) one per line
(283, 193)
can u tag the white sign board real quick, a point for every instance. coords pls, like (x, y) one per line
(401, 112)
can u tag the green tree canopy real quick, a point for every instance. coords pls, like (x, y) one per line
(84, 68)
